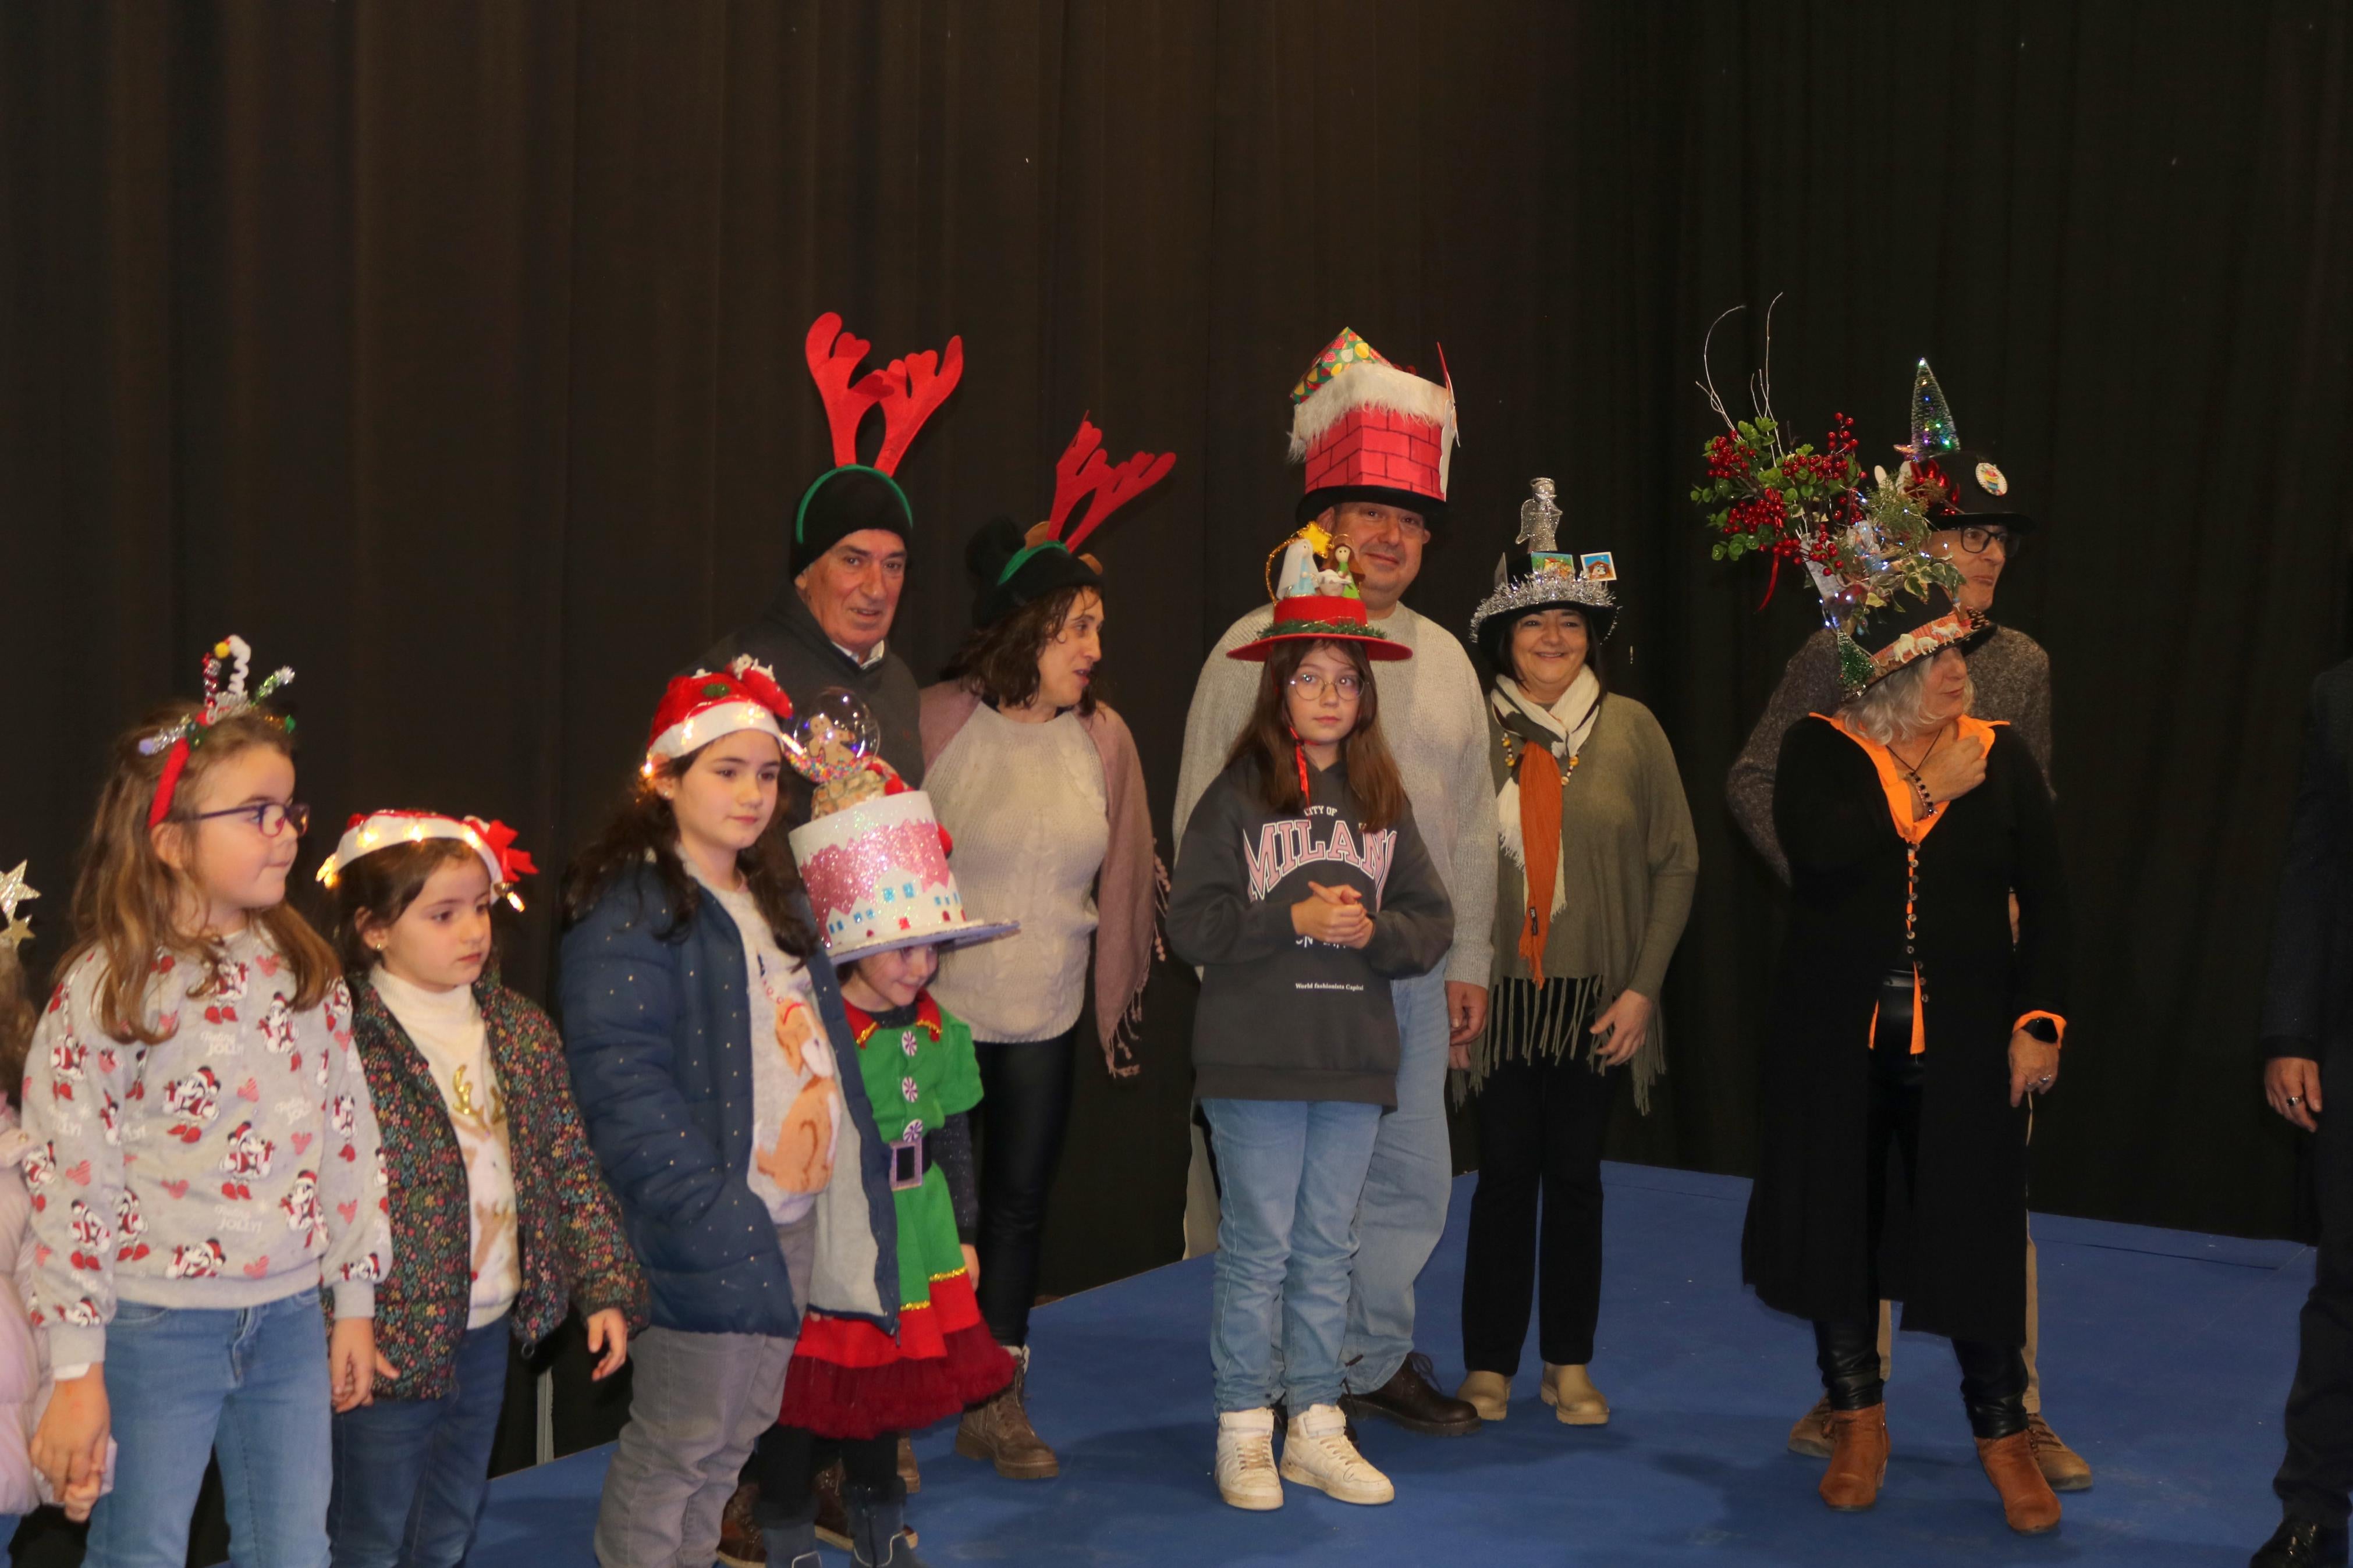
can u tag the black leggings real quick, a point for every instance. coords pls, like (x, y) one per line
(789, 1458)
(1993, 1378)
(1025, 1108)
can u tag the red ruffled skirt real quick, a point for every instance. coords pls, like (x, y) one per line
(850, 1379)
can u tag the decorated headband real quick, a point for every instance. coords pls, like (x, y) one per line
(909, 391)
(698, 708)
(1082, 475)
(494, 841)
(14, 932)
(225, 696)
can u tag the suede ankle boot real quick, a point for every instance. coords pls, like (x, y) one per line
(1858, 1458)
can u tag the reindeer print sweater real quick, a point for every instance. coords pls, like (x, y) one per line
(234, 1163)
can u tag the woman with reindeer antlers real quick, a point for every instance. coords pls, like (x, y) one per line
(1039, 782)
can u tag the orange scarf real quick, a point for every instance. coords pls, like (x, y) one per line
(1540, 843)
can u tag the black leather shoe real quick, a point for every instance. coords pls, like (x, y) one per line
(1413, 1401)
(2300, 1544)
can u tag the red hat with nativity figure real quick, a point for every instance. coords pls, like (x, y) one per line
(1313, 586)
(874, 856)
(1015, 568)
(369, 832)
(1369, 431)
(1885, 599)
(852, 497)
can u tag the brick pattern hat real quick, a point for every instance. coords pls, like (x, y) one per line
(1367, 431)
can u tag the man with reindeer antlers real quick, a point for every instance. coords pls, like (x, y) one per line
(830, 625)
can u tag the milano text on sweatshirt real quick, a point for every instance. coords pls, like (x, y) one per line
(234, 1163)
(1283, 1017)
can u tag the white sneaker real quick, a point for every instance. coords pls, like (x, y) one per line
(1316, 1453)
(1246, 1476)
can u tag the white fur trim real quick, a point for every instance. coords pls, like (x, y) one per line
(1367, 384)
(705, 725)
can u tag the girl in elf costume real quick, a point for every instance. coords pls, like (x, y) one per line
(877, 873)
(500, 1219)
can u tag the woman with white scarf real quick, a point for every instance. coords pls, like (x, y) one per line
(1594, 884)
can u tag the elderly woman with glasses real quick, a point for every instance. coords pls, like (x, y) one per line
(1919, 1005)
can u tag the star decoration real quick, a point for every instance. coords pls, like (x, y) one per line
(16, 931)
(12, 890)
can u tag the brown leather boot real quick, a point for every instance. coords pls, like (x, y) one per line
(740, 1545)
(907, 1470)
(2027, 1501)
(1858, 1458)
(1000, 1431)
(1812, 1435)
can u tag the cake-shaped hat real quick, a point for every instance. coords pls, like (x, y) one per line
(876, 867)
(1369, 431)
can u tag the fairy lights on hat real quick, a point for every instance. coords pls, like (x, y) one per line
(698, 708)
(224, 697)
(369, 832)
(14, 890)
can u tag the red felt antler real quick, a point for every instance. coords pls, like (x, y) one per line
(1082, 472)
(834, 357)
(909, 392)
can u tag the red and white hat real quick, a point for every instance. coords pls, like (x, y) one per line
(698, 708)
(495, 841)
(1369, 431)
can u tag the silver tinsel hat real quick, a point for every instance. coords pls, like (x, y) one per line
(1538, 574)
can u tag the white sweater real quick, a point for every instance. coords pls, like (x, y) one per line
(1434, 718)
(1025, 803)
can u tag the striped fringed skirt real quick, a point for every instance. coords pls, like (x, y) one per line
(1532, 1023)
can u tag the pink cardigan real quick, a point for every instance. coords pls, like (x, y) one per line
(1129, 887)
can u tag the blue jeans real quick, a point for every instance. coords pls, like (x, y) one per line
(248, 1383)
(1290, 1173)
(412, 1474)
(1404, 1206)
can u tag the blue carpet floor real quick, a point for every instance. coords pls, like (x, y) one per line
(2165, 1355)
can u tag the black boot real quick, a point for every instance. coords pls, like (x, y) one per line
(2301, 1543)
(875, 1515)
(788, 1534)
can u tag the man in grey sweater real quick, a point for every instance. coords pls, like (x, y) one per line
(2011, 675)
(1434, 719)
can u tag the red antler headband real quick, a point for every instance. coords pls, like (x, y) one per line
(494, 841)
(224, 695)
(1080, 474)
(909, 390)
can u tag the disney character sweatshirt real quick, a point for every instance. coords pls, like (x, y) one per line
(234, 1163)
(1283, 1017)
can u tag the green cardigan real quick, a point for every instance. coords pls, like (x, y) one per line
(1629, 860)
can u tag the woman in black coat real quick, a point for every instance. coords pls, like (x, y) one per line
(1911, 1023)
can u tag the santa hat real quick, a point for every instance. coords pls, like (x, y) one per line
(369, 832)
(851, 497)
(1017, 568)
(1369, 431)
(698, 708)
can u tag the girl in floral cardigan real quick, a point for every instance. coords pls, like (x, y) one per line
(500, 1216)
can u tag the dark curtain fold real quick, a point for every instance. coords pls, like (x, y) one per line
(452, 353)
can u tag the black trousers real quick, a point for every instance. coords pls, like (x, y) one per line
(1025, 1110)
(787, 1458)
(1540, 1131)
(1846, 1350)
(2315, 1477)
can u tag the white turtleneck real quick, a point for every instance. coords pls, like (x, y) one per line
(447, 1029)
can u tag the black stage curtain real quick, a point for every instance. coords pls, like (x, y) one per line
(452, 353)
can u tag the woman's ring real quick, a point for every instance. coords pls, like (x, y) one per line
(2295, 1100)
(2044, 1079)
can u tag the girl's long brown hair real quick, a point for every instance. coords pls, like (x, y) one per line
(1266, 739)
(16, 1020)
(645, 831)
(128, 900)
